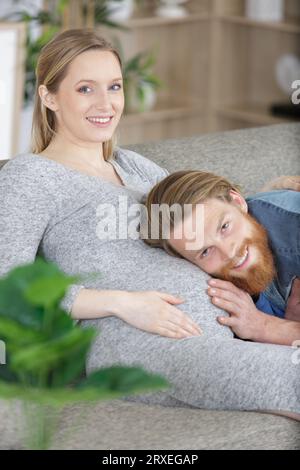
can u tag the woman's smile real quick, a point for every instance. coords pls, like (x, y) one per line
(100, 121)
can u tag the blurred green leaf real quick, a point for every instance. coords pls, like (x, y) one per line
(61, 6)
(124, 380)
(46, 292)
(27, 285)
(130, 382)
(16, 335)
(43, 357)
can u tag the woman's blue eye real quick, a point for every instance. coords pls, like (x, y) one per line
(117, 85)
(83, 89)
(225, 226)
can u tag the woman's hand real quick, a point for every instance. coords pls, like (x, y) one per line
(245, 320)
(154, 312)
(283, 182)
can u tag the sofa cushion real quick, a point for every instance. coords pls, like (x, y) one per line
(122, 425)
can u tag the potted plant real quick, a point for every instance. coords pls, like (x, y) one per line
(46, 353)
(49, 22)
(120, 10)
(172, 9)
(140, 83)
(42, 25)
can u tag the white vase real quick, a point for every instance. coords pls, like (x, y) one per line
(134, 105)
(265, 10)
(171, 9)
(287, 71)
(120, 11)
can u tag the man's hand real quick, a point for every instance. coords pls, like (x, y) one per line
(245, 320)
(292, 311)
(283, 182)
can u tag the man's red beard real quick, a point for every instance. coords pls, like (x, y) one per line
(258, 276)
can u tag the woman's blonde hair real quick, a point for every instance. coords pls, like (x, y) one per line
(52, 67)
(182, 187)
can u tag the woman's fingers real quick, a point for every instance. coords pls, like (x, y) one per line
(179, 331)
(172, 332)
(289, 182)
(293, 182)
(182, 322)
(283, 182)
(176, 317)
(157, 313)
(172, 299)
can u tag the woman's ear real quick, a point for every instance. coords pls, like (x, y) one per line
(47, 98)
(238, 200)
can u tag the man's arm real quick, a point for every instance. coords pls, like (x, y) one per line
(292, 311)
(277, 331)
(246, 321)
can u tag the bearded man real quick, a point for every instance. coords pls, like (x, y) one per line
(250, 246)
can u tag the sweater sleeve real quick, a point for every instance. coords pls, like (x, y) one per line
(26, 209)
(148, 169)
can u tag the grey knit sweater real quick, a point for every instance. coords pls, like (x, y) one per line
(52, 210)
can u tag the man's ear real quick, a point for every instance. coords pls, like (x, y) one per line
(238, 200)
(47, 98)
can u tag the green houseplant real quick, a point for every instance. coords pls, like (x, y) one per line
(46, 353)
(140, 83)
(50, 22)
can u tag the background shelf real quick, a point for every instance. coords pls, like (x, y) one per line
(217, 67)
(289, 26)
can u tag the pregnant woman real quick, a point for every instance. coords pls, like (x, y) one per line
(147, 307)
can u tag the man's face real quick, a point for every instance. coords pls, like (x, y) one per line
(229, 244)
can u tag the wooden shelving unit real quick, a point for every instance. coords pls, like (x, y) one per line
(256, 113)
(289, 26)
(182, 52)
(153, 21)
(244, 54)
(218, 67)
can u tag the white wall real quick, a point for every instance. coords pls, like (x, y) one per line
(8, 45)
(7, 92)
(9, 6)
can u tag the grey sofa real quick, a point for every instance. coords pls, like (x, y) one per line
(249, 157)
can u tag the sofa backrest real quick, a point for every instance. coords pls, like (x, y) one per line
(249, 157)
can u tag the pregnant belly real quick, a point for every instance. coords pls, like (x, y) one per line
(144, 268)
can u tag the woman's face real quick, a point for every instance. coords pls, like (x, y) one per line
(90, 99)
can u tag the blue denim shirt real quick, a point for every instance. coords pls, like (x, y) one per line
(279, 212)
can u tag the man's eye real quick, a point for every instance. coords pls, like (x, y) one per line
(204, 253)
(116, 87)
(84, 89)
